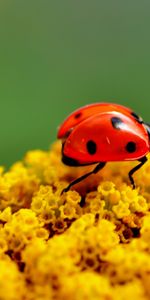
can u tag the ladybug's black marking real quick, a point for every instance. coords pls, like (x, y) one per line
(91, 147)
(136, 117)
(69, 161)
(131, 147)
(116, 122)
(78, 115)
(147, 126)
(67, 133)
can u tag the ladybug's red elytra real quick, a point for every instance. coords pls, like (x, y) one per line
(103, 132)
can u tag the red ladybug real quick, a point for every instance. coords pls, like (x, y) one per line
(102, 132)
(89, 110)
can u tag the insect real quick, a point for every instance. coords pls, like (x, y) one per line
(102, 132)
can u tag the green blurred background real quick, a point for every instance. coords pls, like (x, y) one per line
(58, 55)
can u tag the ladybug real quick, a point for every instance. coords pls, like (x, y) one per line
(103, 132)
(89, 110)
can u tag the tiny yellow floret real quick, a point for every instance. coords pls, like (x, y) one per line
(91, 243)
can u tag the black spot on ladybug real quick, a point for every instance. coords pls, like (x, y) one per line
(131, 147)
(136, 117)
(116, 122)
(78, 115)
(67, 133)
(91, 147)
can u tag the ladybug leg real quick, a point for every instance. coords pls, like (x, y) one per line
(142, 162)
(96, 169)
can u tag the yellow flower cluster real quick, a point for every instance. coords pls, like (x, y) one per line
(91, 243)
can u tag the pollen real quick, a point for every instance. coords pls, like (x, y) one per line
(92, 242)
